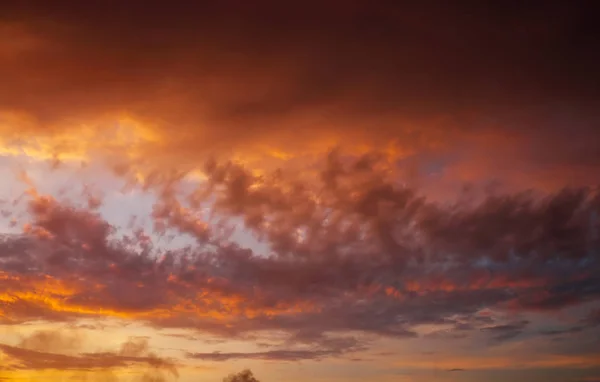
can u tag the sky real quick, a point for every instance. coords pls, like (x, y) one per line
(299, 191)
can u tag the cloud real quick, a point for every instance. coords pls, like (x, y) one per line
(355, 252)
(53, 350)
(273, 355)
(320, 347)
(50, 341)
(112, 87)
(593, 318)
(507, 331)
(569, 330)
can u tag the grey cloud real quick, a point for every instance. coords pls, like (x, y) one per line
(273, 355)
(505, 332)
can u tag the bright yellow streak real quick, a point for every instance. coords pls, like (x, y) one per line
(52, 294)
(121, 134)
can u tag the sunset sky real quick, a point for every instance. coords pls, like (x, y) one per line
(322, 191)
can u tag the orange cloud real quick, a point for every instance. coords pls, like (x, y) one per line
(45, 351)
(531, 361)
(283, 104)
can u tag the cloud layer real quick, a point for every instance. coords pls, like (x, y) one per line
(179, 83)
(45, 350)
(354, 253)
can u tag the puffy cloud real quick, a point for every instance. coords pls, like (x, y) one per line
(49, 341)
(356, 252)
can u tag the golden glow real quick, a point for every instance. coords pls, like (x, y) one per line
(52, 295)
(119, 135)
(503, 362)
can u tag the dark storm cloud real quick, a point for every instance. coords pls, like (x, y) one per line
(329, 47)
(212, 78)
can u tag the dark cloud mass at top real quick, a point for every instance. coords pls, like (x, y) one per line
(231, 74)
(403, 55)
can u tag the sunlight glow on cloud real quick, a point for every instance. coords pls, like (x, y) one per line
(299, 192)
